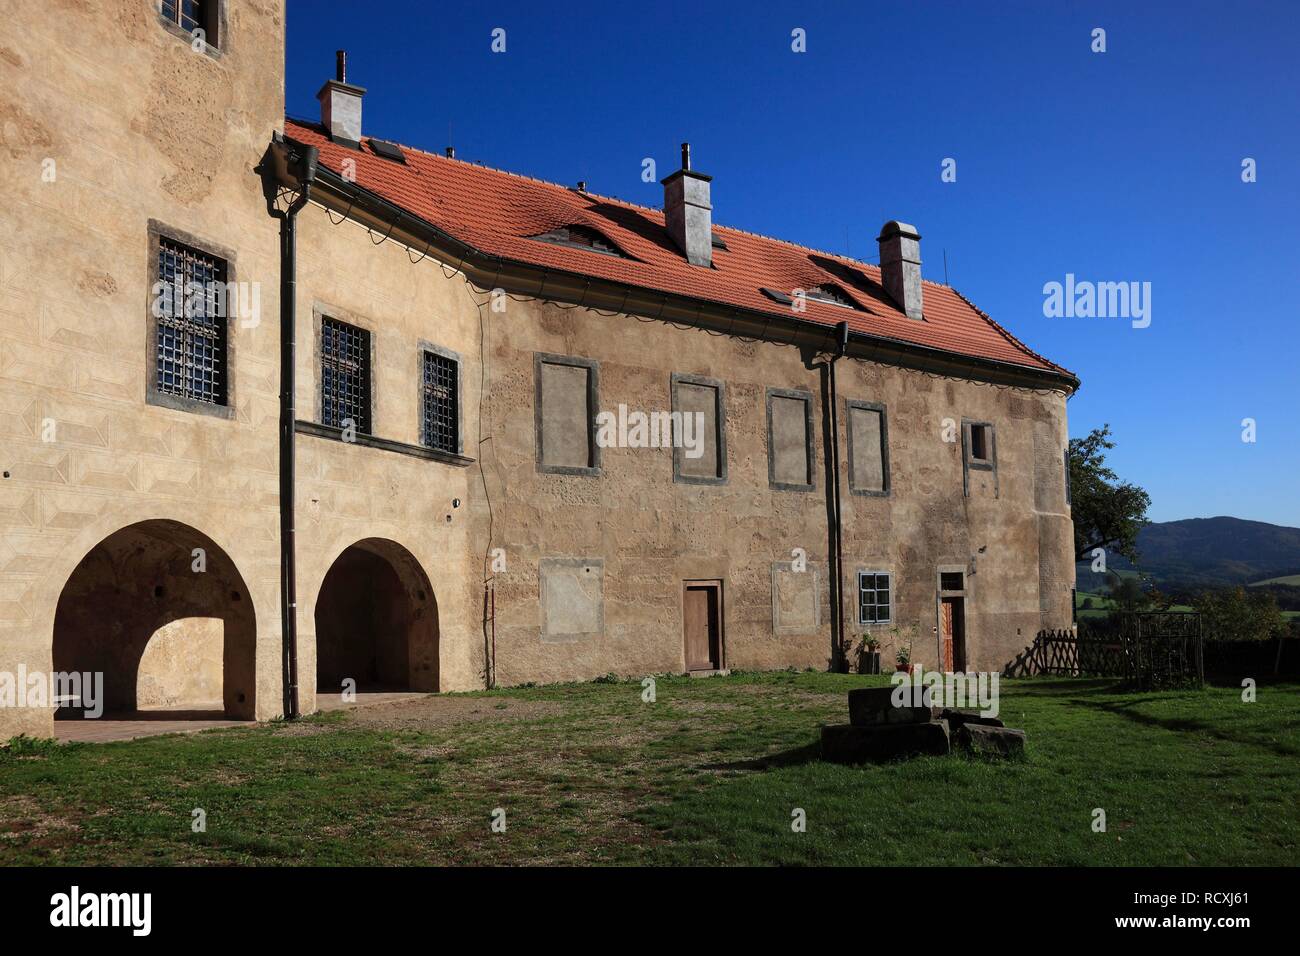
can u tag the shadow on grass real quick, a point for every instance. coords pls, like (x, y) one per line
(1184, 725)
(785, 758)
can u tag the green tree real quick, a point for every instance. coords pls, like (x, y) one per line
(1239, 614)
(1108, 513)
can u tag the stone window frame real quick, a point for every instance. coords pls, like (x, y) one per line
(886, 485)
(218, 23)
(810, 450)
(156, 231)
(593, 404)
(426, 346)
(1069, 492)
(720, 411)
(320, 311)
(867, 626)
(969, 464)
(786, 630)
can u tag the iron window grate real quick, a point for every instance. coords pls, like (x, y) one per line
(873, 597)
(345, 376)
(441, 427)
(191, 344)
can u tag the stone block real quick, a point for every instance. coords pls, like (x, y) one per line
(873, 706)
(846, 743)
(957, 718)
(991, 741)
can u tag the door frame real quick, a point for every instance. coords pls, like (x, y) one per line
(717, 585)
(939, 594)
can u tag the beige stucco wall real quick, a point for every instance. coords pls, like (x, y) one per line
(140, 128)
(652, 534)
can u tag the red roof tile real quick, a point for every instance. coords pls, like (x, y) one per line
(496, 211)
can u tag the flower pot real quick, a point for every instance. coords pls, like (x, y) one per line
(869, 662)
(905, 669)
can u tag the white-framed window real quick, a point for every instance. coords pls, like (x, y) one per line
(875, 592)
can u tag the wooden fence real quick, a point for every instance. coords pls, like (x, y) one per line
(1149, 649)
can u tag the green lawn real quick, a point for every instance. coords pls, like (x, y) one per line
(710, 773)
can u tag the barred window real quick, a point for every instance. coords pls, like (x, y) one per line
(345, 375)
(191, 345)
(873, 597)
(441, 394)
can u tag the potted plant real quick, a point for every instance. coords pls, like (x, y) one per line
(869, 655)
(903, 658)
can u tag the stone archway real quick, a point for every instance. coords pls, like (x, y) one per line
(376, 621)
(159, 610)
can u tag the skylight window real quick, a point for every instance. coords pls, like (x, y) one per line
(580, 237)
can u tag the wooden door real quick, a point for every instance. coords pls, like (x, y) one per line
(952, 628)
(702, 625)
(945, 630)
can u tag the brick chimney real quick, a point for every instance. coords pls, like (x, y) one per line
(900, 265)
(340, 105)
(688, 214)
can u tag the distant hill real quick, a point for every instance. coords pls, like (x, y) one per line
(1208, 552)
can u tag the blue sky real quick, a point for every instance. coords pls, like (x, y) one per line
(1115, 166)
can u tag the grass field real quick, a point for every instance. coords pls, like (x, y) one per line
(710, 773)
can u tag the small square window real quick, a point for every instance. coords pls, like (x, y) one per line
(951, 581)
(873, 597)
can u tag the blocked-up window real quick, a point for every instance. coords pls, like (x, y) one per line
(873, 597)
(440, 399)
(190, 348)
(868, 433)
(699, 430)
(345, 375)
(565, 404)
(789, 439)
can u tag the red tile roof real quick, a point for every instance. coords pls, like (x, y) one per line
(496, 211)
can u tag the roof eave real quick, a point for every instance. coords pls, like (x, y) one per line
(488, 271)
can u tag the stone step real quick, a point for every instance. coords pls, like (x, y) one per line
(848, 743)
(956, 718)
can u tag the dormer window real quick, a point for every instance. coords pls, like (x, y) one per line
(580, 237)
(830, 294)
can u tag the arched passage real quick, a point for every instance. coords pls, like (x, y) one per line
(376, 621)
(161, 611)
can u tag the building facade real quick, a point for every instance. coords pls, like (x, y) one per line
(538, 434)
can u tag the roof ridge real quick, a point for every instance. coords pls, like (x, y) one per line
(625, 202)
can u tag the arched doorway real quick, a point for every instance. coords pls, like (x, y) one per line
(162, 613)
(376, 622)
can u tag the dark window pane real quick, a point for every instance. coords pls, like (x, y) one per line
(345, 375)
(440, 424)
(191, 341)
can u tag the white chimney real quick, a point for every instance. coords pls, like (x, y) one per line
(340, 105)
(688, 214)
(900, 265)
